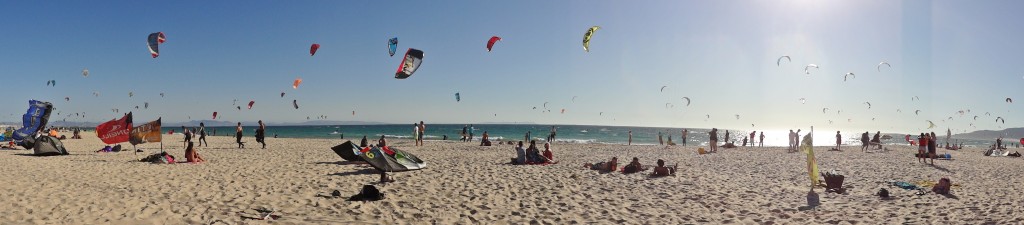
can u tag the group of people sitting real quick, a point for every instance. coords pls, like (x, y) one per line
(532, 155)
(633, 167)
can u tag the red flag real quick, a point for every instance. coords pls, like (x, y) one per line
(115, 131)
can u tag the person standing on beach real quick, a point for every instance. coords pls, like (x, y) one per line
(423, 130)
(726, 140)
(791, 140)
(551, 137)
(261, 134)
(465, 133)
(752, 133)
(761, 142)
(630, 142)
(202, 135)
(713, 139)
(188, 136)
(685, 132)
(470, 133)
(416, 134)
(839, 140)
(238, 135)
(527, 137)
(796, 140)
(660, 140)
(864, 140)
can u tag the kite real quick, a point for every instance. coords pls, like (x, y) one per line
(295, 84)
(154, 40)
(708, 116)
(975, 117)
(600, 114)
(392, 46)
(930, 124)
(1000, 118)
(803, 100)
(234, 101)
(250, 104)
(214, 115)
(869, 104)
(282, 94)
(353, 113)
(563, 111)
(145, 105)
(899, 111)
(239, 108)
(1008, 100)
(586, 37)
(161, 94)
(663, 88)
(879, 67)
(824, 110)
(737, 116)
(67, 99)
(51, 83)
(295, 103)
(778, 62)
(668, 105)
(490, 43)
(808, 67)
(917, 112)
(131, 94)
(574, 98)
(545, 105)
(687, 100)
(85, 72)
(95, 94)
(412, 61)
(457, 97)
(915, 97)
(848, 75)
(987, 114)
(313, 48)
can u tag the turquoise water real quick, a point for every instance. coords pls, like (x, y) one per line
(565, 133)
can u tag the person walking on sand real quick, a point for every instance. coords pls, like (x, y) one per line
(630, 142)
(415, 134)
(471, 129)
(202, 135)
(660, 140)
(188, 136)
(261, 134)
(238, 135)
(752, 134)
(839, 140)
(864, 140)
(464, 133)
(423, 130)
(760, 143)
(685, 132)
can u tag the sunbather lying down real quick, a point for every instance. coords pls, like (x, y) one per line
(604, 166)
(662, 170)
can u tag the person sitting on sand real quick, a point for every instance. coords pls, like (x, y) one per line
(533, 154)
(633, 167)
(485, 140)
(609, 166)
(548, 155)
(520, 158)
(191, 155)
(363, 143)
(662, 170)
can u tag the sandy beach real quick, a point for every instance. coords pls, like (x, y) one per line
(469, 184)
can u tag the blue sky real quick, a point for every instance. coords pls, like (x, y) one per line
(954, 55)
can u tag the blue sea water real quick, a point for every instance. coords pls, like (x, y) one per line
(565, 133)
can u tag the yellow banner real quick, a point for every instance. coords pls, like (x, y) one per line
(145, 133)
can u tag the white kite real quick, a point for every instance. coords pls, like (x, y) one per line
(847, 75)
(808, 67)
(879, 67)
(778, 62)
(687, 100)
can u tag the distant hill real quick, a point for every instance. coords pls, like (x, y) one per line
(1012, 133)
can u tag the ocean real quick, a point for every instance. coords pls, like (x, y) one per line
(565, 134)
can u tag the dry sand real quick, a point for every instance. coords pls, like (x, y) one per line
(468, 184)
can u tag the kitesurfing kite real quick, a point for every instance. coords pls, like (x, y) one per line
(687, 100)
(490, 43)
(879, 67)
(412, 61)
(295, 103)
(85, 72)
(67, 99)
(563, 111)
(250, 104)
(161, 94)
(131, 94)
(214, 115)
(313, 48)
(930, 124)
(239, 108)
(295, 84)
(95, 94)
(145, 105)
(824, 110)
(392, 46)
(600, 113)
(282, 94)
(457, 97)
(663, 88)
(586, 37)
(975, 117)
(51, 83)
(803, 100)
(778, 62)
(737, 116)
(1008, 100)
(915, 98)
(1000, 118)
(807, 69)
(848, 75)
(574, 98)
(668, 105)
(353, 113)
(154, 41)
(869, 104)
(917, 112)
(545, 105)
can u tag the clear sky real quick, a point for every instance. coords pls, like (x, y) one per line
(954, 55)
